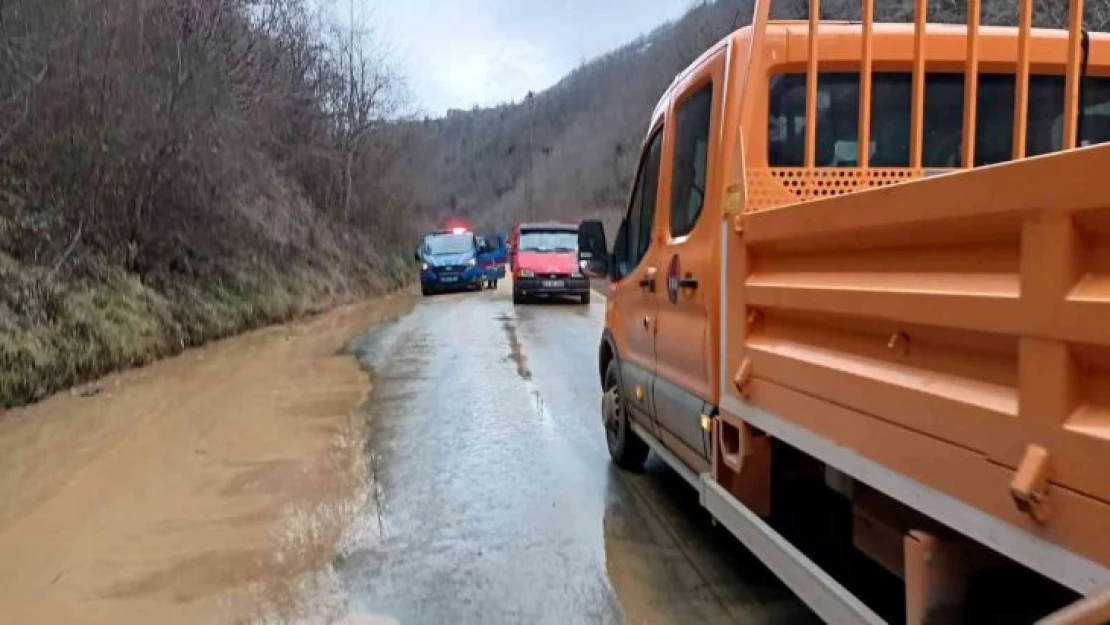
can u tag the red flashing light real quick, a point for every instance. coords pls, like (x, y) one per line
(457, 226)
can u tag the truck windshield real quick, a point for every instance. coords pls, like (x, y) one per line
(838, 118)
(549, 241)
(436, 244)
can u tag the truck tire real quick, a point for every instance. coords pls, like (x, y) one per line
(585, 298)
(425, 291)
(626, 449)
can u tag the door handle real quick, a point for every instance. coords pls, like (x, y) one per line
(688, 283)
(648, 282)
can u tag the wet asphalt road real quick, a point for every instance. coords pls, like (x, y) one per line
(496, 501)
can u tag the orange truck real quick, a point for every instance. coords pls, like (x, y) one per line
(885, 369)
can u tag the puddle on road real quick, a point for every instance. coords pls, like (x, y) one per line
(516, 354)
(300, 585)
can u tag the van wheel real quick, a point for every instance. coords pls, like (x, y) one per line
(627, 450)
(425, 291)
(586, 297)
(518, 297)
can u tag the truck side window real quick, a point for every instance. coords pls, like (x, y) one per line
(838, 118)
(690, 161)
(641, 210)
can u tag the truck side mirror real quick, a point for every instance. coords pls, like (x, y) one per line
(593, 252)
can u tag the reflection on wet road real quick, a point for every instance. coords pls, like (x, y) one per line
(496, 501)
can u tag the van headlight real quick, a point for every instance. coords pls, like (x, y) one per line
(424, 266)
(472, 262)
(527, 273)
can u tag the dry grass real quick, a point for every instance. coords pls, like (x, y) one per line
(55, 334)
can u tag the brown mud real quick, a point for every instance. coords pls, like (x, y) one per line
(213, 487)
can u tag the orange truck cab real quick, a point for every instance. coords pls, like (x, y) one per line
(897, 354)
(543, 259)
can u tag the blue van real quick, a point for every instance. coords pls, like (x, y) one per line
(449, 262)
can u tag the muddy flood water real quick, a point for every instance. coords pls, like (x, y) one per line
(436, 462)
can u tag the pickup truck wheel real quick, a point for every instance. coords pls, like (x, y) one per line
(627, 450)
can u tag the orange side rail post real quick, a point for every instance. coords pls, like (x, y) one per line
(971, 83)
(1021, 86)
(811, 86)
(917, 114)
(863, 158)
(1071, 85)
(760, 15)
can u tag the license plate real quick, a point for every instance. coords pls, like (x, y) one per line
(449, 279)
(552, 284)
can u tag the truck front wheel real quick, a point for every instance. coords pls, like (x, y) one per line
(627, 450)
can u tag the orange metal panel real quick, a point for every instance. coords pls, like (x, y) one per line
(1001, 191)
(1078, 523)
(977, 323)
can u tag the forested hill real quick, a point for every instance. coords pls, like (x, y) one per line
(585, 132)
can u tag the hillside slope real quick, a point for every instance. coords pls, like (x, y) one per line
(585, 132)
(174, 171)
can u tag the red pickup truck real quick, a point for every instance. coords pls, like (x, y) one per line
(543, 259)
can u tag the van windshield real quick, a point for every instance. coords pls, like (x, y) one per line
(549, 241)
(436, 244)
(838, 118)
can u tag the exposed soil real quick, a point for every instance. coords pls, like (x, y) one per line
(213, 487)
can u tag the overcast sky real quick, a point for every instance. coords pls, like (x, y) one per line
(458, 53)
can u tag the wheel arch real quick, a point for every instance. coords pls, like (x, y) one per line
(607, 353)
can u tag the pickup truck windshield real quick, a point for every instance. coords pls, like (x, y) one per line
(549, 241)
(436, 244)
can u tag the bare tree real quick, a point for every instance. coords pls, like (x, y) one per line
(363, 95)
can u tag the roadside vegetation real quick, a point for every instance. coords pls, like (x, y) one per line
(173, 171)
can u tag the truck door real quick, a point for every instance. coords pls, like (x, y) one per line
(687, 270)
(637, 281)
